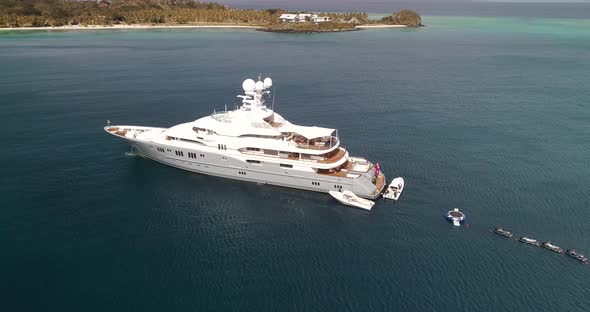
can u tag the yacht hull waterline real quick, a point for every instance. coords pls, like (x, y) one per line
(255, 144)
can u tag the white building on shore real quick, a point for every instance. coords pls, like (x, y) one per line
(288, 18)
(303, 17)
(320, 19)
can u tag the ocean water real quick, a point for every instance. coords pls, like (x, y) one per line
(489, 115)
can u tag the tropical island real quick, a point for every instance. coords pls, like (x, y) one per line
(182, 13)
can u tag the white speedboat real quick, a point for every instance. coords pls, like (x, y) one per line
(395, 188)
(349, 198)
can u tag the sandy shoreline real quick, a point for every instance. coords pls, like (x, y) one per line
(380, 26)
(101, 27)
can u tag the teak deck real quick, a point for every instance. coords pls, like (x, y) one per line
(335, 157)
(379, 183)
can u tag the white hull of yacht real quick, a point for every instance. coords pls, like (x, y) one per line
(210, 161)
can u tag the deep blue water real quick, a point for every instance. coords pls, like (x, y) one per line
(492, 120)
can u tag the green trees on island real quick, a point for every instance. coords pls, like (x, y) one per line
(18, 13)
(403, 17)
(35, 13)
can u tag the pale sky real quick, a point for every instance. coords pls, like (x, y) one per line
(361, 3)
(399, 1)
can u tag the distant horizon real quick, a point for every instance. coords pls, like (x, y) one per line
(392, 2)
(522, 8)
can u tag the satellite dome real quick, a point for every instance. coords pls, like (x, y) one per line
(259, 85)
(267, 82)
(248, 85)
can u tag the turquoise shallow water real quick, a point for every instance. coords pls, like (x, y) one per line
(565, 27)
(571, 28)
(489, 117)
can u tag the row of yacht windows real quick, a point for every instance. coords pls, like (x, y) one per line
(194, 156)
(260, 162)
(222, 147)
(202, 130)
(181, 153)
(336, 186)
(185, 140)
(289, 155)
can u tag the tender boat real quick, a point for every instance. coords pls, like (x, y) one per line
(554, 248)
(501, 231)
(349, 198)
(395, 188)
(578, 256)
(529, 241)
(456, 217)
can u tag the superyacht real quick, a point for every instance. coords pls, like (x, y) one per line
(254, 143)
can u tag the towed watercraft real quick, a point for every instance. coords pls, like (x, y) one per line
(578, 256)
(395, 188)
(529, 241)
(501, 231)
(349, 198)
(554, 248)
